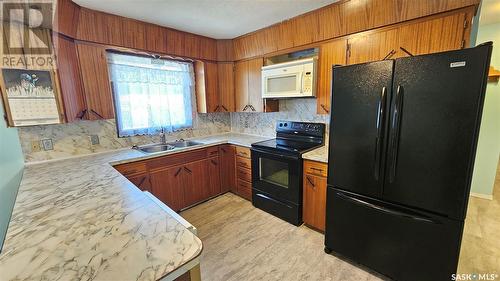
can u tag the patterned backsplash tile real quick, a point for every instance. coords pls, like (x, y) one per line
(73, 139)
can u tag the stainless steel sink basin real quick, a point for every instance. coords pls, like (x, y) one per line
(187, 143)
(160, 147)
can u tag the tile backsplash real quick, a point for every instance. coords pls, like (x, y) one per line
(74, 138)
(264, 124)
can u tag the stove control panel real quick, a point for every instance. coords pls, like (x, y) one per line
(301, 128)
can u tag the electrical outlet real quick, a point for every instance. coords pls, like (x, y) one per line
(47, 144)
(94, 139)
(35, 146)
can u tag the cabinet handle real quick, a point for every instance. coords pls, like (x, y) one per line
(310, 181)
(214, 162)
(390, 54)
(81, 114)
(142, 181)
(216, 108)
(223, 107)
(245, 108)
(316, 169)
(325, 109)
(252, 108)
(96, 113)
(178, 172)
(187, 170)
(223, 150)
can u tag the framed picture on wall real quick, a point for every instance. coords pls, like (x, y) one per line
(30, 97)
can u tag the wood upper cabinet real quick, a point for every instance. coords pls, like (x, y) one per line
(225, 76)
(167, 185)
(214, 176)
(134, 34)
(248, 88)
(372, 46)
(241, 86)
(195, 182)
(156, 39)
(227, 168)
(100, 27)
(314, 195)
(69, 78)
(95, 78)
(207, 96)
(435, 35)
(330, 54)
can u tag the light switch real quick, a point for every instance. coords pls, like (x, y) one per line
(94, 139)
(47, 144)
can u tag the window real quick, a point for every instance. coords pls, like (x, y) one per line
(150, 94)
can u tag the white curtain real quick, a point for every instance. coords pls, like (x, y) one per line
(150, 94)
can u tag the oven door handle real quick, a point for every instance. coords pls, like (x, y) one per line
(275, 154)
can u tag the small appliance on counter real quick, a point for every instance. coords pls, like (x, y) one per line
(277, 168)
(403, 143)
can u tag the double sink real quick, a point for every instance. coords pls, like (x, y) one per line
(160, 147)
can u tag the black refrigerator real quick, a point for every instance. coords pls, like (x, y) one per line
(403, 137)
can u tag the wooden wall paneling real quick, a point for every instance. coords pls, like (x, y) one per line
(225, 76)
(134, 34)
(225, 50)
(435, 35)
(330, 54)
(191, 45)
(156, 38)
(175, 42)
(66, 18)
(208, 48)
(306, 29)
(95, 78)
(69, 78)
(331, 22)
(372, 46)
(241, 85)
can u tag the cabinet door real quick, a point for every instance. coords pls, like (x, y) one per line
(372, 46)
(196, 182)
(314, 201)
(211, 87)
(167, 185)
(142, 181)
(436, 35)
(214, 165)
(241, 85)
(227, 170)
(69, 77)
(225, 76)
(329, 54)
(95, 78)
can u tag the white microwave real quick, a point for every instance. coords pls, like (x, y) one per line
(294, 79)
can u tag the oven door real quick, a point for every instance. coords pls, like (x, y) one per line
(278, 175)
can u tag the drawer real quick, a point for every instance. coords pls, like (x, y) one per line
(212, 151)
(243, 162)
(316, 168)
(243, 152)
(177, 159)
(244, 189)
(131, 168)
(244, 174)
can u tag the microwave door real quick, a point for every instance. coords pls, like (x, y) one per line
(283, 85)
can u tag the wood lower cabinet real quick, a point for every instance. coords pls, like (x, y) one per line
(195, 182)
(243, 164)
(94, 71)
(214, 176)
(168, 186)
(227, 168)
(314, 196)
(142, 181)
(330, 54)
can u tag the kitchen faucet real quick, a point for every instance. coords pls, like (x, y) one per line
(162, 136)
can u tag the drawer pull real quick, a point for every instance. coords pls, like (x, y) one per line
(316, 169)
(310, 181)
(214, 162)
(187, 170)
(178, 172)
(142, 181)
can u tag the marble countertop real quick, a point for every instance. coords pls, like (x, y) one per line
(319, 154)
(79, 219)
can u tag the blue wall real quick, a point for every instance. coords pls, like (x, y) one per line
(488, 149)
(11, 172)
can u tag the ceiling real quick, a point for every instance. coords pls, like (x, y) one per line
(490, 12)
(219, 19)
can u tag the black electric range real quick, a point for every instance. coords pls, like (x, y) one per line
(277, 168)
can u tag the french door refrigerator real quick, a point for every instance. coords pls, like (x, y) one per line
(403, 136)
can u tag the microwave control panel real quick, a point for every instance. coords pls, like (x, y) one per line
(308, 82)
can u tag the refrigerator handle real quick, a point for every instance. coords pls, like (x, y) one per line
(395, 131)
(378, 140)
(393, 212)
